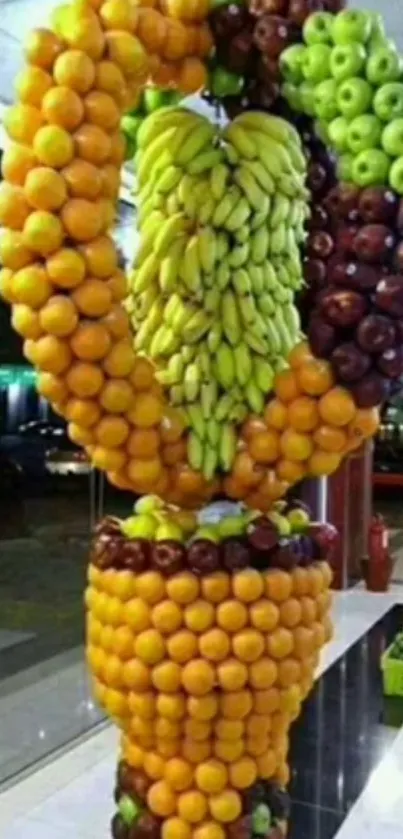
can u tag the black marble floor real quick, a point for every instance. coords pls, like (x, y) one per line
(342, 735)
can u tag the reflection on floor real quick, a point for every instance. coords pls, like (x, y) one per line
(10, 639)
(336, 746)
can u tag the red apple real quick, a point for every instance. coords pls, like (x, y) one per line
(349, 362)
(390, 362)
(315, 272)
(326, 537)
(345, 239)
(320, 244)
(272, 34)
(378, 205)
(389, 296)
(376, 333)
(342, 308)
(342, 201)
(322, 337)
(372, 390)
(352, 274)
(319, 218)
(374, 242)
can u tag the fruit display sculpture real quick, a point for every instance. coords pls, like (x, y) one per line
(190, 381)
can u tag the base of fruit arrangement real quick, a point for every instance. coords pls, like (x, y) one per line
(266, 809)
(203, 640)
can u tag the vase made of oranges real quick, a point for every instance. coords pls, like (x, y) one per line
(203, 636)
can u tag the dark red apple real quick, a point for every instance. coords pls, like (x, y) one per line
(299, 10)
(272, 34)
(240, 53)
(322, 337)
(376, 333)
(315, 272)
(342, 201)
(352, 274)
(389, 296)
(374, 242)
(326, 537)
(226, 22)
(345, 239)
(378, 205)
(349, 362)
(342, 307)
(372, 390)
(119, 829)
(390, 362)
(316, 177)
(320, 244)
(319, 218)
(263, 535)
(399, 219)
(268, 7)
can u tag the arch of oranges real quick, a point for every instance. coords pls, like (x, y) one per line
(61, 275)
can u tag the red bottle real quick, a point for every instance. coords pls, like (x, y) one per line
(379, 561)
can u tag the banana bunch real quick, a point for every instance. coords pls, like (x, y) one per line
(221, 217)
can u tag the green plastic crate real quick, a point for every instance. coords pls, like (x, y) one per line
(392, 671)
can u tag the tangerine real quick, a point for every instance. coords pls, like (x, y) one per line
(161, 799)
(264, 446)
(16, 162)
(315, 377)
(82, 219)
(93, 299)
(45, 189)
(295, 446)
(84, 380)
(182, 646)
(232, 674)
(53, 146)
(214, 644)
(303, 414)
(26, 321)
(83, 180)
(58, 316)
(143, 444)
(262, 673)
(231, 615)
(290, 471)
(100, 256)
(280, 643)
(147, 410)
(330, 439)
(42, 47)
(211, 777)
(66, 268)
(286, 386)
(337, 407)
(275, 415)
(62, 106)
(91, 341)
(92, 143)
(323, 463)
(52, 354)
(226, 806)
(192, 806)
(14, 208)
(22, 123)
(31, 84)
(42, 233)
(203, 708)
(75, 70)
(31, 286)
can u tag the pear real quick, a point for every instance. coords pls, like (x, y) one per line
(231, 526)
(209, 532)
(141, 526)
(282, 524)
(168, 531)
(129, 810)
(299, 520)
(148, 504)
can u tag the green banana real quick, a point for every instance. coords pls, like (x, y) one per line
(208, 398)
(238, 216)
(255, 196)
(231, 323)
(207, 244)
(241, 141)
(210, 461)
(224, 406)
(218, 181)
(195, 143)
(225, 367)
(243, 363)
(214, 337)
(196, 327)
(254, 397)
(213, 431)
(204, 161)
(223, 275)
(238, 256)
(196, 419)
(280, 210)
(263, 375)
(169, 268)
(228, 444)
(195, 451)
(256, 276)
(191, 382)
(241, 281)
(260, 244)
(190, 270)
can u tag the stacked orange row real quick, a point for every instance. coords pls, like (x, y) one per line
(205, 676)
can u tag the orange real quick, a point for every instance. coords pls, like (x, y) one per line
(178, 774)
(16, 162)
(280, 643)
(14, 209)
(45, 189)
(247, 585)
(236, 705)
(296, 446)
(84, 380)
(192, 806)
(167, 729)
(171, 706)
(203, 708)
(166, 617)
(109, 78)
(51, 387)
(59, 316)
(229, 751)
(337, 407)
(100, 255)
(199, 616)
(303, 414)
(22, 123)
(62, 106)
(232, 615)
(42, 48)
(232, 674)
(262, 673)
(198, 677)
(300, 581)
(364, 424)
(275, 415)
(53, 146)
(243, 773)
(92, 298)
(286, 386)
(147, 410)
(66, 268)
(31, 84)
(111, 431)
(52, 354)
(149, 646)
(75, 70)
(226, 806)
(83, 220)
(92, 143)
(289, 672)
(323, 463)
(209, 830)
(192, 75)
(176, 828)
(26, 321)
(101, 109)
(182, 645)
(264, 446)
(118, 286)
(150, 587)
(117, 322)
(80, 436)
(84, 33)
(152, 29)
(330, 439)
(183, 588)
(248, 645)
(266, 701)
(278, 585)
(83, 179)
(214, 644)
(127, 52)
(161, 799)
(315, 377)
(257, 726)
(31, 286)
(137, 614)
(90, 341)
(216, 587)
(301, 354)
(43, 233)
(211, 777)
(290, 612)
(176, 43)
(143, 444)
(117, 15)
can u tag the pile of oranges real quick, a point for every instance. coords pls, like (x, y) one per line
(204, 676)
(308, 427)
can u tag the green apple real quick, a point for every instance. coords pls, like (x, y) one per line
(351, 25)
(231, 526)
(325, 101)
(388, 101)
(169, 531)
(148, 504)
(383, 65)
(321, 130)
(307, 93)
(317, 28)
(261, 820)
(345, 168)
(354, 97)
(392, 138)
(299, 520)
(371, 168)
(292, 93)
(156, 97)
(224, 83)
(364, 132)
(291, 63)
(143, 526)
(337, 133)
(316, 63)
(130, 125)
(281, 522)
(378, 37)
(207, 531)
(396, 175)
(347, 60)
(129, 810)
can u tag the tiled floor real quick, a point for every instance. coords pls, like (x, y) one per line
(72, 797)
